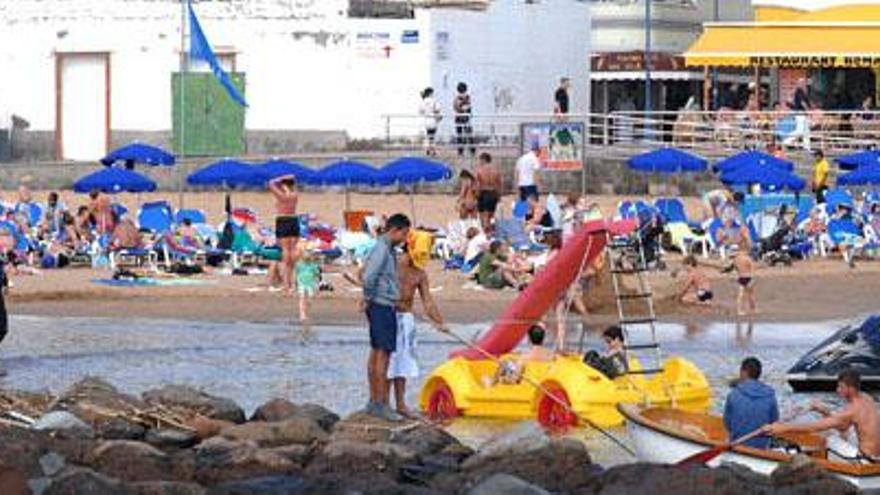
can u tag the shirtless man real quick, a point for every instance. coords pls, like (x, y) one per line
(745, 277)
(696, 288)
(860, 412)
(286, 225)
(402, 364)
(489, 190)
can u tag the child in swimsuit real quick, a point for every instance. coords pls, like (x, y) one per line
(745, 273)
(308, 276)
(696, 288)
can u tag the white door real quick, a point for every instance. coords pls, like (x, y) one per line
(83, 106)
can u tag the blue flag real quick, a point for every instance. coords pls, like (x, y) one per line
(200, 49)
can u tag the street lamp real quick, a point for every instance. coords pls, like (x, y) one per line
(649, 107)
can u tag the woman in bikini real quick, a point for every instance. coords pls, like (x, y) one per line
(286, 225)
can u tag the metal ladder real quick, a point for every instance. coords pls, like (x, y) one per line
(616, 252)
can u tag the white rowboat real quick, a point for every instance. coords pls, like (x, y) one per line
(667, 436)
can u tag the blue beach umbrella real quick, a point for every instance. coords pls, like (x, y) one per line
(667, 161)
(862, 176)
(275, 168)
(412, 170)
(857, 160)
(114, 180)
(139, 153)
(346, 173)
(755, 159)
(768, 177)
(227, 173)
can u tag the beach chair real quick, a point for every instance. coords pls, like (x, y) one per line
(848, 238)
(196, 217)
(514, 232)
(683, 233)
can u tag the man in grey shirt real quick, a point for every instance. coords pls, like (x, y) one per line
(381, 285)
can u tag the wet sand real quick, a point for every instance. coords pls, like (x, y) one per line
(808, 291)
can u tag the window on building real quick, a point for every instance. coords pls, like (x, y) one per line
(380, 9)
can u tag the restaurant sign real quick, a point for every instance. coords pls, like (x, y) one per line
(806, 61)
(634, 61)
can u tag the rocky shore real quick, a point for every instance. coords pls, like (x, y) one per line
(94, 439)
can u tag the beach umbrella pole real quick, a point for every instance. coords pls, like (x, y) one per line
(412, 204)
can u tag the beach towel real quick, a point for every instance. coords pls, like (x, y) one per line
(151, 282)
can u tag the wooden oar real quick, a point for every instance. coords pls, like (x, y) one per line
(543, 390)
(707, 455)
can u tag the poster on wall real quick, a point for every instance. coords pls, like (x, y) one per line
(442, 45)
(561, 143)
(373, 44)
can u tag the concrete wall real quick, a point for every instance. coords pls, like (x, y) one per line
(312, 73)
(513, 54)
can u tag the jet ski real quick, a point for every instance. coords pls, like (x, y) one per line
(850, 347)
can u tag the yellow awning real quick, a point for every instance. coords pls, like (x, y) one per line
(787, 45)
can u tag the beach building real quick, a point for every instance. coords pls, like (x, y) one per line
(81, 76)
(836, 50)
(617, 76)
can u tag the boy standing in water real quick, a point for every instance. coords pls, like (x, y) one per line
(308, 275)
(745, 277)
(403, 364)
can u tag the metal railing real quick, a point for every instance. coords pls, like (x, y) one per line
(620, 134)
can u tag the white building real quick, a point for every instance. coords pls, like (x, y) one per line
(91, 74)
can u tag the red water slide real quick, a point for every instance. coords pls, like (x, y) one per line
(546, 289)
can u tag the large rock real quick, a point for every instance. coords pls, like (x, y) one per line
(95, 401)
(803, 474)
(275, 410)
(27, 450)
(283, 409)
(525, 438)
(75, 481)
(219, 459)
(164, 488)
(64, 425)
(275, 434)
(683, 480)
(274, 485)
(167, 439)
(197, 402)
(119, 429)
(506, 484)
(557, 465)
(425, 439)
(320, 414)
(131, 461)
(206, 428)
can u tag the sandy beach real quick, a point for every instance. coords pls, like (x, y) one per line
(820, 289)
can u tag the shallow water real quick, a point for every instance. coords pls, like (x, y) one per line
(252, 363)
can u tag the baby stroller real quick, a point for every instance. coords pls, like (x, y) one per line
(641, 250)
(776, 248)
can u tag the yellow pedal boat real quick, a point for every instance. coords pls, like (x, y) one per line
(459, 388)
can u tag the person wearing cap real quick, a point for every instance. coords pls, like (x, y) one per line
(413, 278)
(560, 98)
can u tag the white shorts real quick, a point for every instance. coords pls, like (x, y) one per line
(403, 363)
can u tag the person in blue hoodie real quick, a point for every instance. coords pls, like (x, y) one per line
(750, 405)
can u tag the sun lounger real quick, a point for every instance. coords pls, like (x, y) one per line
(683, 233)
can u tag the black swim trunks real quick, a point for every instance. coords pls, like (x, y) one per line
(286, 227)
(487, 201)
(744, 281)
(704, 295)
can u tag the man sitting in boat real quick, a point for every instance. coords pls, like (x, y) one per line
(510, 371)
(750, 405)
(860, 412)
(612, 362)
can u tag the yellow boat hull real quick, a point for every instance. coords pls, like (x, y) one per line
(459, 387)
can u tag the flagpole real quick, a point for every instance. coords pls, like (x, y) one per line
(183, 70)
